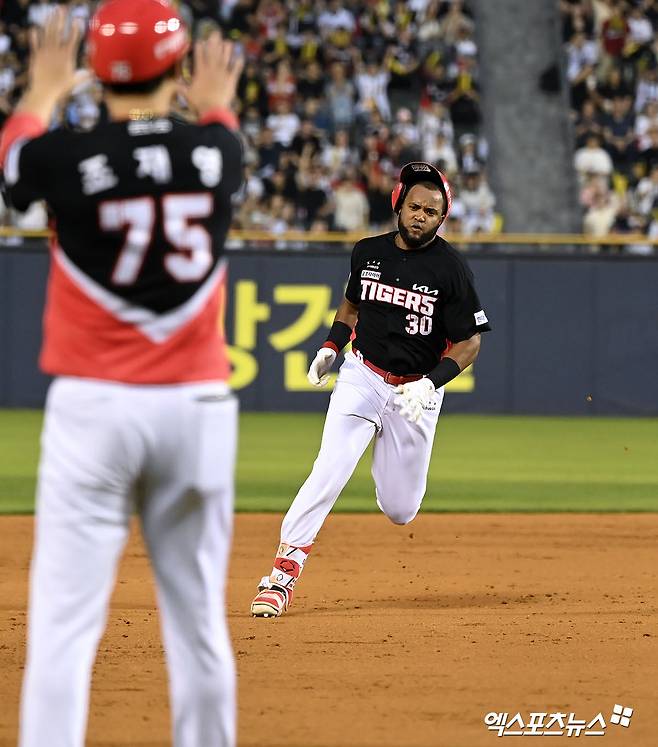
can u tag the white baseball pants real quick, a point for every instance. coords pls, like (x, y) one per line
(108, 449)
(360, 408)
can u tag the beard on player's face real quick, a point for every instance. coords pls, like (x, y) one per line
(414, 240)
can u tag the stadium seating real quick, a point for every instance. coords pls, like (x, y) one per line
(612, 68)
(335, 97)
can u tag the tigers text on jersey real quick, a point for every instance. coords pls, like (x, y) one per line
(412, 303)
(141, 210)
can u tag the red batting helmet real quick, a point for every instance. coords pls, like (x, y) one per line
(131, 41)
(419, 171)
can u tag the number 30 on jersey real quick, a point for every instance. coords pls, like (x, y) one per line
(416, 324)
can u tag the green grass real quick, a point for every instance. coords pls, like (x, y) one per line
(479, 464)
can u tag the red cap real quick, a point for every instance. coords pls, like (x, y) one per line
(131, 41)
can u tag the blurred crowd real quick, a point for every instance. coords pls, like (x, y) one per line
(612, 67)
(336, 95)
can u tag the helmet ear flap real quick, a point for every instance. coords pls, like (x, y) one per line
(397, 196)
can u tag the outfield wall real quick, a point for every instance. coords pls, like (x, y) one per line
(572, 335)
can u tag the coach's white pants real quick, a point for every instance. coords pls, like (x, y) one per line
(107, 448)
(361, 406)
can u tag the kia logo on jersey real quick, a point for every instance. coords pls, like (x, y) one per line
(418, 302)
(425, 289)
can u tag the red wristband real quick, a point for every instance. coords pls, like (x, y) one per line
(332, 345)
(218, 115)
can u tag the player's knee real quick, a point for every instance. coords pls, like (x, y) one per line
(395, 511)
(401, 516)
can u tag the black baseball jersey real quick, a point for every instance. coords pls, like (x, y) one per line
(141, 207)
(141, 210)
(412, 303)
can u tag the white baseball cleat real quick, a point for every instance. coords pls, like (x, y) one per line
(271, 600)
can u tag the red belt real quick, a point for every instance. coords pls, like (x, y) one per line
(389, 378)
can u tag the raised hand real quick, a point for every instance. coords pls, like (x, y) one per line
(217, 70)
(52, 69)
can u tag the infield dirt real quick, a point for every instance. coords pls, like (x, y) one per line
(399, 636)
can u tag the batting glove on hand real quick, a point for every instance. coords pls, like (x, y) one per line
(318, 373)
(413, 397)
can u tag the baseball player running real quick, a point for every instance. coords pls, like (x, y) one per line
(139, 415)
(419, 324)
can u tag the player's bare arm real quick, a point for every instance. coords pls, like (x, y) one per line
(464, 353)
(347, 313)
(52, 70)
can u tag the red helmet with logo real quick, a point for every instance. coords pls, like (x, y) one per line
(420, 171)
(131, 41)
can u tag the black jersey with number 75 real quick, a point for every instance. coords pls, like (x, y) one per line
(141, 210)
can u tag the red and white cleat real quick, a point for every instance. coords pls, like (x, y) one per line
(271, 600)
